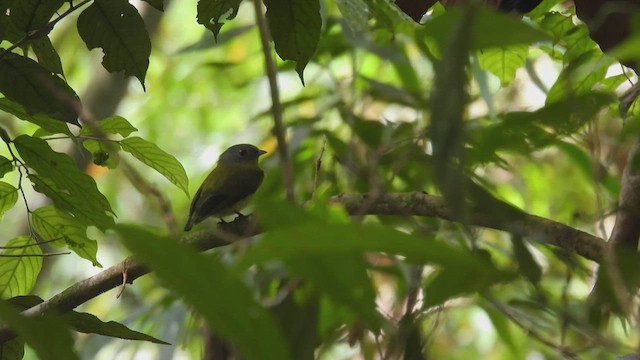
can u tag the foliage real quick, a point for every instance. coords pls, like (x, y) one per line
(388, 106)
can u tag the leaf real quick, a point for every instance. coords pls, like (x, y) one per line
(59, 179)
(6, 166)
(46, 334)
(295, 28)
(156, 158)
(503, 62)
(37, 89)
(156, 4)
(117, 28)
(110, 125)
(52, 224)
(580, 77)
(355, 14)
(50, 124)
(91, 324)
(28, 15)
(214, 13)
(47, 55)
(489, 29)
(527, 264)
(19, 267)
(215, 292)
(8, 196)
(503, 328)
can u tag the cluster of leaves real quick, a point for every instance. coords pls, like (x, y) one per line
(321, 272)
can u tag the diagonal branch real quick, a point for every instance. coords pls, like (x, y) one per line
(406, 204)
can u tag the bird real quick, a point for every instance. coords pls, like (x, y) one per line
(229, 186)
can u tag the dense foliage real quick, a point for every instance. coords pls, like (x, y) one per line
(434, 189)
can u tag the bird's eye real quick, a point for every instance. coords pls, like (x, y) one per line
(242, 152)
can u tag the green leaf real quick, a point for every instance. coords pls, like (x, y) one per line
(8, 196)
(503, 328)
(47, 55)
(49, 124)
(59, 178)
(28, 15)
(215, 292)
(37, 89)
(580, 77)
(295, 28)
(488, 29)
(90, 324)
(19, 267)
(51, 224)
(214, 13)
(355, 14)
(46, 334)
(6, 166)
(117, 28)
(164, 163)
(527, 264)
(503, 62)
(110, 125)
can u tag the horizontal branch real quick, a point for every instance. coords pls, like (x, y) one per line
(525, 225)
(406, 204)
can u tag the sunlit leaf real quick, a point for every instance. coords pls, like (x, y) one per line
(6, 166)
(216, 293)
(19, 266)
(295, 28)
(156, 158)
(26, 82)
(52, 224)
(503, 62)
(117, 28)
(8, 196)
(110, 125)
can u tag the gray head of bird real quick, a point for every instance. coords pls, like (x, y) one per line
(241, 153)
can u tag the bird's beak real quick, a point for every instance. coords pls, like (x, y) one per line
(262, 152)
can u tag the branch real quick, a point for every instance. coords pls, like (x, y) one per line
(526, 225)
(276, 107)
(407, 204)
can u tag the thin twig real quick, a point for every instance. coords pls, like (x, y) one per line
(37, 243)
(276, 106)
(318, 166)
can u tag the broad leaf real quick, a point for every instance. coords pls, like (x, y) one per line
(52, 224)
(59, 178)
(117, 28)
(47, 335)
(19, 266)
(215, 292)
(29, 15)
(47, 55)
(214, 13)
(164, 163)
(8, 196)
(37, 89)
(47, 123)
(110, 125)
(503, 62)
(295, 28)
(6, 166)
(102, 155)
(90, 324)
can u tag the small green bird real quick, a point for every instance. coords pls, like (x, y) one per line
(229, 186)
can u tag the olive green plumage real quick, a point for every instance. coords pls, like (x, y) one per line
(229, 186)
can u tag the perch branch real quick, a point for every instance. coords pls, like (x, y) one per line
(407, 204)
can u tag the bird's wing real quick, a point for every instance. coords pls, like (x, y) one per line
(234, 189)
